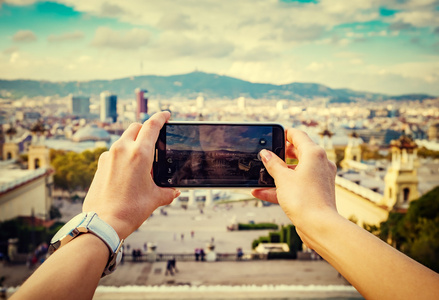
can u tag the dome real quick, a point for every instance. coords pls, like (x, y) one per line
(91, 133)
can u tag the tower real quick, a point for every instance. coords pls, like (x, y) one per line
(80, 105)
(326, 143)
(352, 151)
(142, 104)
(10, 148)
(108, 107)
(38, 152)
(401, 180)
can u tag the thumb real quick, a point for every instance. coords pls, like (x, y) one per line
(275, 166)
(167, 195)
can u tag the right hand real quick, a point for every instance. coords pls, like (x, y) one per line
(306, 191)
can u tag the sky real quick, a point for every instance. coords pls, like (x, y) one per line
(385, 46)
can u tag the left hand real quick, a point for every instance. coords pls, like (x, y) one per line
(123, 192)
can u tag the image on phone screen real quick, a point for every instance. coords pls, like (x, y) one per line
(213, 155)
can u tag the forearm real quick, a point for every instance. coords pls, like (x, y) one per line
(374, 268)
(80, 263)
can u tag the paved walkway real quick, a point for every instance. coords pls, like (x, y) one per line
(171, 233)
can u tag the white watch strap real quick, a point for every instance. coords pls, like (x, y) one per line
(100, 228)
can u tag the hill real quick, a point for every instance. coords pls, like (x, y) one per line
(189, 86)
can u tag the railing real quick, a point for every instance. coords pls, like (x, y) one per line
(148, 257)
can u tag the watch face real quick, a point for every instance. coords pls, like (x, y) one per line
(69, 227)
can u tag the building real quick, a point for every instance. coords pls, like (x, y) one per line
(27, 192)
(433, 133)
(80, 105)
(401, 179)
(91, 133)
(326, 143)
(367, 195)
(108, 107)
(142, 104)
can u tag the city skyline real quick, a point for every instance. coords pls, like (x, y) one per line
(385, 46)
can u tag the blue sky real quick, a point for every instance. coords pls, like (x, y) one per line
(388, 46)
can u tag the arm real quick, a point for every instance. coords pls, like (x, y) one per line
(124, 195)
(306, 193)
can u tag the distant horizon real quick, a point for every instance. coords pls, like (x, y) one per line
(198, 71)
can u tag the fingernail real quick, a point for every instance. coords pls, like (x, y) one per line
(177, 193)
(266, 155)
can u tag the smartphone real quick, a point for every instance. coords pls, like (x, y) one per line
(213, 155)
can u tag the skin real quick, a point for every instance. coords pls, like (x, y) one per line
(306, 193)
(124, 195)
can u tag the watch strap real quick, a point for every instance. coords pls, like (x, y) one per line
(107, 234)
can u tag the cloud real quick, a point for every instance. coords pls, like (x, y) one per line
(315, 66)
(18, 2)
(111, 9)
(176, 22)
(177, 45)
(68, 36)
(24, 36)
(10, 50)
(121, 39)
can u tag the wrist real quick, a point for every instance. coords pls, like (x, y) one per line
(315, 228)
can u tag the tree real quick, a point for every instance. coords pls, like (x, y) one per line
(75, 171)
(416, 233)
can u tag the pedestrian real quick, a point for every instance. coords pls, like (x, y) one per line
(174, 264)
(134, 254)
(145, 247)
(239, 253)
(202, 254)
(197, 254)
(169, 268)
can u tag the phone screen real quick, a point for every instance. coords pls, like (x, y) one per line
(215, 155)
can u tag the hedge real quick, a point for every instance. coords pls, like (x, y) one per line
(258, 226)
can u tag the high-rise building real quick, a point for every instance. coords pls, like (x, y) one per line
(108, 107)
(142, 104)
(80, 105)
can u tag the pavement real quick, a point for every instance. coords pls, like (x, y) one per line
(171, 233)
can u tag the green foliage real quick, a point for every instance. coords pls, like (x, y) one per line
(274, 237)
(417, 232)
(74, 171)
(282, 255)
(424, 152)
(54, 212)
(371, 153)
(28, 236)
(262, 239)
(286, 234)
(258, 226)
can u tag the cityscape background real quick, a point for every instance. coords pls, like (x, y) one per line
(362, 79)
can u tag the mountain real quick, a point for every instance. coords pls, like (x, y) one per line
(189, 86)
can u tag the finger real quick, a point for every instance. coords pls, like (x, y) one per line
(290, 151)
(150, 130)
(265, 195)
(276, 167)
(167, 195)
(299, 140)
(131, 132)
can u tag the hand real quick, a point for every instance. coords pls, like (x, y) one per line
(306, 192)
(123, 192)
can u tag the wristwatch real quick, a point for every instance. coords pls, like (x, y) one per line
(89, 222)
